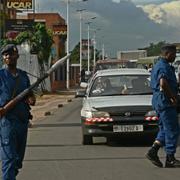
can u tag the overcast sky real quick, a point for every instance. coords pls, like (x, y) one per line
(124, 24)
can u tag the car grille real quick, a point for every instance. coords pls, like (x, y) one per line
(130, 113)
(127, 113)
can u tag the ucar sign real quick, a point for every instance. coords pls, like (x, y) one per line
(60, 30)
(19, 4)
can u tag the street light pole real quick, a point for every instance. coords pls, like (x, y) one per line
(103, 51)
(34, 6)
(88, 47)
(67, 47)
(95, 44)
(80, 41)
(94, 48)
(88, 23)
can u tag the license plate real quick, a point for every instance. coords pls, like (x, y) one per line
(127, 128)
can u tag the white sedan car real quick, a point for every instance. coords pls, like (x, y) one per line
(117, 102)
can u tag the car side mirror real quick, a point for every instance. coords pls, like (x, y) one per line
(80, 93)
(83, 85)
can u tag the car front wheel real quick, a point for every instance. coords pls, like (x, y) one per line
(87, 140)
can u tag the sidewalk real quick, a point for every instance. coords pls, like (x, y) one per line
(46, 104)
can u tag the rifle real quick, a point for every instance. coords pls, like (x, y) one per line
(24, 93)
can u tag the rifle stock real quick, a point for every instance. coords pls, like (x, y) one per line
(24, 93)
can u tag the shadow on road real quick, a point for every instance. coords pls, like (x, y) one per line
(131, 142)
(88, 159)
(125, 141)
(57, 125)
(51, 145)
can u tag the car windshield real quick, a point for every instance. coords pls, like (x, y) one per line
(107, 66)
(115, 65)
(121, 85)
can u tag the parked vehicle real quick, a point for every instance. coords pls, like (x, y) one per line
(117, 102)
(114, 64)
(176, 65)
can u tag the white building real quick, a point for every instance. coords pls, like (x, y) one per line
(131, 54)
(29, 63)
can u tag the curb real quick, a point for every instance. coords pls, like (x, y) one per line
(67, 92)
(42, 111)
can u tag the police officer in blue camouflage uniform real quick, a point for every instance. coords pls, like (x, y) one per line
(164, 101)
(13, 124)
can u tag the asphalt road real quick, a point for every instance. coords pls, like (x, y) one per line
(54, 152)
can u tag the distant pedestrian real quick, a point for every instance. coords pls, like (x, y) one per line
(146, 67)
(150, 66)
(178, 74)
(164, 101)
(83, 75)
(13, 124)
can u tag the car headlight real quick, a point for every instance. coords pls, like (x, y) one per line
(100, 114)
(86, 114)
(95, 114)
(151, 113)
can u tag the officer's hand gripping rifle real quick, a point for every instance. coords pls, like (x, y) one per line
(24, 93)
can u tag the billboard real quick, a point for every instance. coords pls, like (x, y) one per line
(19, 4)
(60, 30)
(19, 24)
(14, 26)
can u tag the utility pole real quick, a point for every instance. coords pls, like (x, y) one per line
(103, 51)
(80, 40)
(94, 48)
(88, 23)
(67, 47)
(88, 47)
(95, 44)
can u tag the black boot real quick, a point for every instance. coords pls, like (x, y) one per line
(152, 155)
(171, 161)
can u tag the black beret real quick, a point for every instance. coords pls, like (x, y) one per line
(168, 47)
(9, 48)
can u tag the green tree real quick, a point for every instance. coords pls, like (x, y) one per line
(75, 56)
(155, 49)
(40, 41)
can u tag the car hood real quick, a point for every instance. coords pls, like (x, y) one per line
(117, 101)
